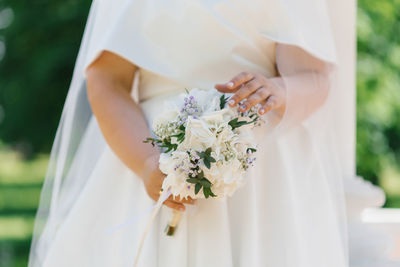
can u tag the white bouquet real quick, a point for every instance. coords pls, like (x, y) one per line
(206, 145)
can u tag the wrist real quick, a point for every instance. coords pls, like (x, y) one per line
(150, 165)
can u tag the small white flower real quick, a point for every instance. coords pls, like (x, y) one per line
(165, 117)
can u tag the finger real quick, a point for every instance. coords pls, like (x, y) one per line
(223, 88)
(260, 95)
(244, 92)
(174, 205)
(270, 104)
(234, 84)
(182, 200)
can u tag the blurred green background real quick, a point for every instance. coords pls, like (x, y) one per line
(39, 41)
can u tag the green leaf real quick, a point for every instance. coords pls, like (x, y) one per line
(212, 193)
(211, 159)
(197, 188)
(207, 163)
(205, 182)
(169, 146)
(206, 156)
(180, 137)
(202, 155)
(153, 141)
(200, 175)
(251, 149)
(235, 123)
(222, 101)
(192, 180)
(206, 192)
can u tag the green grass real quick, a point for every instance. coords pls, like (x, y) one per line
(19, 199)
(16, 227)
(14, 170)
(20, 185)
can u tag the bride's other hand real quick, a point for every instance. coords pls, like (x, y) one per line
(153, 180)
(255, 89)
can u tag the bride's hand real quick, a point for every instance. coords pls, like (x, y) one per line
(255, 89)
(153, 180)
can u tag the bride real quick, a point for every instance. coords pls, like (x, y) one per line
(103, 181)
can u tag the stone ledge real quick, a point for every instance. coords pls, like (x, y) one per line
(387, 220)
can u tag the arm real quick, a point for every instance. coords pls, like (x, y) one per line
(301, 87)
(109, 82)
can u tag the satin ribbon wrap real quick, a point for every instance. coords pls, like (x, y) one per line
(164, 195)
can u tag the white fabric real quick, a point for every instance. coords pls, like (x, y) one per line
(291, 211)
(344, 31)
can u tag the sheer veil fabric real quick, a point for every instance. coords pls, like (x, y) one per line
(306, 201)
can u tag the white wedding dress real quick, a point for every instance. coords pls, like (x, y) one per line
(286, 215)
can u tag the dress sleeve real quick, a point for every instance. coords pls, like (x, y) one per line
(306, 56)
(307, 83)
(122, 30)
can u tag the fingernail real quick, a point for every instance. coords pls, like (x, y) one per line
(231, 102)
(230, 84)
(262, 111)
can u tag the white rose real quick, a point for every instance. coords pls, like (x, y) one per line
(217, 117)
(166, 163)
(212, 105)
(175, 182)
(203, 97)
(226, 135)
(214, 173)
(230, 171)
(198, 135)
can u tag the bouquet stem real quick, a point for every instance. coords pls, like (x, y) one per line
(173, 223)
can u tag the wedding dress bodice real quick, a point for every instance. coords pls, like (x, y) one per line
(208, 67)
(212, 66)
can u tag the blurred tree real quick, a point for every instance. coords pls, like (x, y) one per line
(41, 45)
(378, 87)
